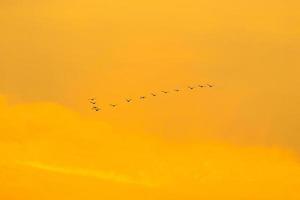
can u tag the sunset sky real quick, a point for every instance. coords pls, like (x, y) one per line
(238, 140)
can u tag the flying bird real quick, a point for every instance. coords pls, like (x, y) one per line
(96, 108)
(166, 92)
(153, 94)
(191, 88)
(113, 105)
(201, 86)
(128, 100)
(209, 85)
(92, 101)
(142, 97)
(176, 90)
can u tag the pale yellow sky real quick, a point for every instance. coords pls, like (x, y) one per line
(57, 54)
(66, 51)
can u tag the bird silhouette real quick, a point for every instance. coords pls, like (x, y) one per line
(92, 101)
(191, 88)
(96, 108)
(209, 85)
(113, 105)
(176, 90)
(201, 86)
(128, 100)
(142, 97)
(153, 94)
(165, 92)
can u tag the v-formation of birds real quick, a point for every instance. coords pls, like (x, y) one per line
(96, 108)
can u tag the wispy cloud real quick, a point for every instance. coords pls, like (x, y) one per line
(97, 174)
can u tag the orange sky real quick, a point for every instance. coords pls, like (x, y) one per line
(238, 140)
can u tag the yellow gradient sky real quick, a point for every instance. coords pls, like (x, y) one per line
(238, 140)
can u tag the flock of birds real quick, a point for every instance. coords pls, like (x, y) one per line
(96, 108)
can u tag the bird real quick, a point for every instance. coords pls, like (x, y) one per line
(165, 92)
(142, 97)
(113, 105)
(201, 86)
(92, 101)
(128, 100)
(191, 88)
(153, 94)
(176, 90)
(209, 85)
(96, 108)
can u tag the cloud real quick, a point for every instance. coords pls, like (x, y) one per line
(102, 175)
(49, 151)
